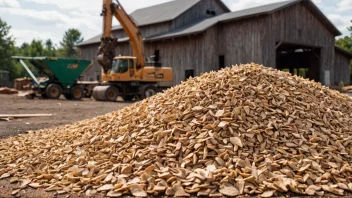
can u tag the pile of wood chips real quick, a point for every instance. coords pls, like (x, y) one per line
(243, 130)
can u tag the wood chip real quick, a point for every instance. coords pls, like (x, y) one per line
(236, 141)
(229, 190)
(35, 185)
(105, 187)
(137, 190)
(114, 194)
(269, 193)
(15, 192)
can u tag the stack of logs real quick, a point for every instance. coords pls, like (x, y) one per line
(23, 84)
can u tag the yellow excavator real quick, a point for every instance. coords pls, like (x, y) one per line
(127, 76)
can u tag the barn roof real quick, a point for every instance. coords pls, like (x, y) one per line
(163, 12)
(251, 12)
(343, 52)
(202, 26)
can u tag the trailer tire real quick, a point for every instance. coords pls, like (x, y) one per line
(77, 93)
(53, 91)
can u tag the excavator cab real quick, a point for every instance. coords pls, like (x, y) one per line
(122, 65)
(123, 69)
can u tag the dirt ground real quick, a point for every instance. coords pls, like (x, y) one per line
(64, 112)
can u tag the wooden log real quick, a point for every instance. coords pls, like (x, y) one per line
(24, 115)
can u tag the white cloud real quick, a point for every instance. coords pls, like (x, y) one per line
(95, 5)
(25, 35)
(35, 14)
(344, 5)
(10, 3)
(52, 16)
(341, 22)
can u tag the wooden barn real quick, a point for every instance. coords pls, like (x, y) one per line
(197, 36)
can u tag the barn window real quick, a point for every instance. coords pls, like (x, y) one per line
(189, 73)
(211, 12)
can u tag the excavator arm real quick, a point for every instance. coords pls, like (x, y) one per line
(106, 50)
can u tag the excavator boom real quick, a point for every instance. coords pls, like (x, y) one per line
(106, 50)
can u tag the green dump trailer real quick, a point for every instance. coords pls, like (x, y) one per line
(58, 76)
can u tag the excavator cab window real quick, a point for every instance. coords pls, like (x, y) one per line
(131, 66)
(119, 66)
(130, 63)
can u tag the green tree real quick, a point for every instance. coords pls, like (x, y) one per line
(71, 38)
(36, 48)
(346, 42)
(50, 49)
(7, 49)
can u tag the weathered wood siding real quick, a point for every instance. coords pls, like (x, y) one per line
(296, 24)
(181, 54)
(342, 68)
(198, 12)
(88, 52)
(240, 41)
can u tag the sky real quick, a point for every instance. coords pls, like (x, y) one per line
(44, 19)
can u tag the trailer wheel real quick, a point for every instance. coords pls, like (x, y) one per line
(111, 94)
(148, 91)
(53, 91)
(77, 93)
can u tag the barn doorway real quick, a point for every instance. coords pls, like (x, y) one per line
(299, 60)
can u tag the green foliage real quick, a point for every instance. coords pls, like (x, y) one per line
(71, 38)
(7, 49)
(345, 43)
(50, 49)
